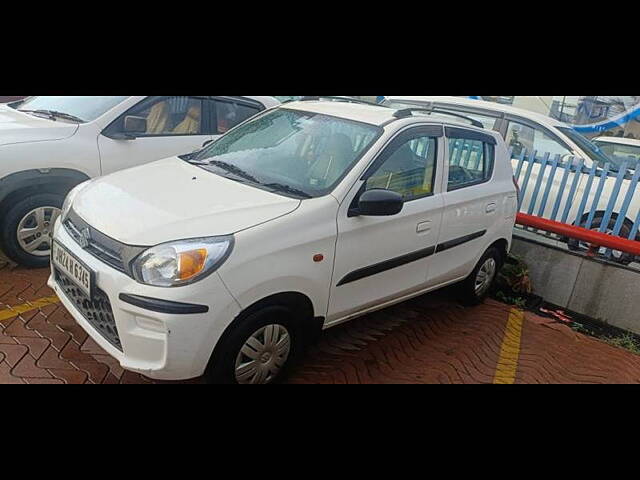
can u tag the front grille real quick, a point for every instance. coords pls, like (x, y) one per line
(96, 311)
(110, 251)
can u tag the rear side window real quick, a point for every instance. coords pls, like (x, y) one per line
(228, 114)
(470, 162)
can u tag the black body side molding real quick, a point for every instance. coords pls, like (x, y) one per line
(408, 258)
(163, 306)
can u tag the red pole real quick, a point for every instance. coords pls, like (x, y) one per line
(595, 238)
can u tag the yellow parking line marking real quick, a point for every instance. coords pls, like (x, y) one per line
(510, 350)
(27, 307)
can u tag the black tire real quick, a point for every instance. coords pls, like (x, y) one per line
(222, 366)
(12, 218)
(618, 257)
(467, 289)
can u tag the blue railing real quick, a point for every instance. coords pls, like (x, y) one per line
(580, 192)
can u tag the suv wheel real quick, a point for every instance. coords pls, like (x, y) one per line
(28, 227)
(476, 287)
(616, 255)
(259, 349)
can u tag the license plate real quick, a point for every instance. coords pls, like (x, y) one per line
(77, 272)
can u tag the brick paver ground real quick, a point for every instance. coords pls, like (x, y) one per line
(430, 339)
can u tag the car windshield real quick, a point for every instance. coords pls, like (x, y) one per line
(620, 153)
(85, 109)
(591, 149)
(296, 153)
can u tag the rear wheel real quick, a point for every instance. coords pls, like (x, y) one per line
(259, 349)
(475, 288)
(28, 227)
(603, 252)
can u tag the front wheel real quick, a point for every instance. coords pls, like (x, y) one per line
(259, 349)
(476, 287)
(28, 227)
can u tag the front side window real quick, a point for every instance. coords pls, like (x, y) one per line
(522, 137)
(229, 114)
(84, 108)
(163, 116)
(302, 154)
(470, 162)
(409, 170)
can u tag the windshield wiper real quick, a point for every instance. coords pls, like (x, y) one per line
(230, 168)
(52, 114)
(280, 187)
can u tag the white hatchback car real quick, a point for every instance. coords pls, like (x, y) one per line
(312, 213)
(48, 145)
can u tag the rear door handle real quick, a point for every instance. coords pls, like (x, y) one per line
(423, 227)
(490, 208)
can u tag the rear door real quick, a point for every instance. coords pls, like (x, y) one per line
(473, 204)
(382, 258)
(156, 128)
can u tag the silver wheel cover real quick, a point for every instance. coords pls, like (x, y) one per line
(485, 276)
(263, 355)
(36, 229)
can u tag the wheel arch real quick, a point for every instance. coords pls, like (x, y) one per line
(298, 302)
(502, 244)
(21, 184)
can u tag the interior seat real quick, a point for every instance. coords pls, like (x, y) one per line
(158, 119)
(191, 123)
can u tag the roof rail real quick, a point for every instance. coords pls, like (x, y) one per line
(344, 99)
(407, 112)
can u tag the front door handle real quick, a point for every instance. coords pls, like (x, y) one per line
(423, 227)
(490, 208)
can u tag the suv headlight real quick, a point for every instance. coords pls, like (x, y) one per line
(68, 201)
(181, 262)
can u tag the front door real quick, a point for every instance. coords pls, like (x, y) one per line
(156, 128)
(382, 258)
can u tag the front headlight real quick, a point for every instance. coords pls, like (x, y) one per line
(68, 201)
(182, 262)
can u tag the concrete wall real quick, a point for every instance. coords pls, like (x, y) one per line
(600, 290)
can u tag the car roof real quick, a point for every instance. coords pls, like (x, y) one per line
(496, 107)
(377, 115)
(266, 101)
(618, 140)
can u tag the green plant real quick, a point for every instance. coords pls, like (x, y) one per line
(626, 341)
(514, 277)
(511, 300)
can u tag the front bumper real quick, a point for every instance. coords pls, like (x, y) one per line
(160, 345)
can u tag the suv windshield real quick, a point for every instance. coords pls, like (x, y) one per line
(299, 154)
(82, 108)
(588, 147)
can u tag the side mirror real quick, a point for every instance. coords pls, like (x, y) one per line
(134, 124)
(379, 202)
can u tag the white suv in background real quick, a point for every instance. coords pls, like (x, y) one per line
(229, 262)
(530, 131)
(48, 145)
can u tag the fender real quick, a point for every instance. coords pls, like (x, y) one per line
(39, 180)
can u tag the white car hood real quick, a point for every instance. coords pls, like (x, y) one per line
(172, 200)
(18, 127)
